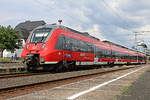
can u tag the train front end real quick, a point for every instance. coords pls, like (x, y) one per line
(36, 47)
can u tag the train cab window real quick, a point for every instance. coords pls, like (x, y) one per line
(40, 35)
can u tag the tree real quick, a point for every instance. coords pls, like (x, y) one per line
(8, 39)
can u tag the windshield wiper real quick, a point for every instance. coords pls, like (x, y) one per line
(42, 38)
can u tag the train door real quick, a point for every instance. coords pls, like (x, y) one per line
(96, 59)
(67, 55)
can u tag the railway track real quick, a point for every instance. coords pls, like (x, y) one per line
(9, 81)
(7, 69)
(4, 76)
(23, 74)
(59, 79)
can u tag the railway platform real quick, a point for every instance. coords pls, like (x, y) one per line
(6, 68)
(139, 90)
(109, 86)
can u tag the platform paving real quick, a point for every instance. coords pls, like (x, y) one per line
(139, 90)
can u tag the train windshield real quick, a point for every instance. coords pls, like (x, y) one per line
(40, 35)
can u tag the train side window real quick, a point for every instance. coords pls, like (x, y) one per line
(60, 42)
(68, 44)
(113, 54)
(103, 53)
(98, 52)
(64, 43)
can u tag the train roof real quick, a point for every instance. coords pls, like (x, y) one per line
(122, 46)
(115, 44)
(82, 33)
(47, 26)
(67, 28)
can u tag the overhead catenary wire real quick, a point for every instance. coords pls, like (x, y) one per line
(118, 15)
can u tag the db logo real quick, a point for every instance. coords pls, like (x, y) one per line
(68, 55)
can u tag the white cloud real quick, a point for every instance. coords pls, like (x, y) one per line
(96, 32)
(106, 20)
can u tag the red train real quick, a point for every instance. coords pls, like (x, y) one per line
(56, 47)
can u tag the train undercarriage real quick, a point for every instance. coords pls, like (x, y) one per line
(33, 65)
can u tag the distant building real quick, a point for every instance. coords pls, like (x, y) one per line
(24, 29)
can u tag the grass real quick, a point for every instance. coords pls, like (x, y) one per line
(115, 99)
(126, 89)
(6, 60)
(11, 60)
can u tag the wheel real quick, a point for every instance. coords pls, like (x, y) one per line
(72, 66)
(59, 68)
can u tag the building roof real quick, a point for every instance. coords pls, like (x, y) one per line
(25, 28)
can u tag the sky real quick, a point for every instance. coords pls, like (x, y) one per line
(113, 20)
